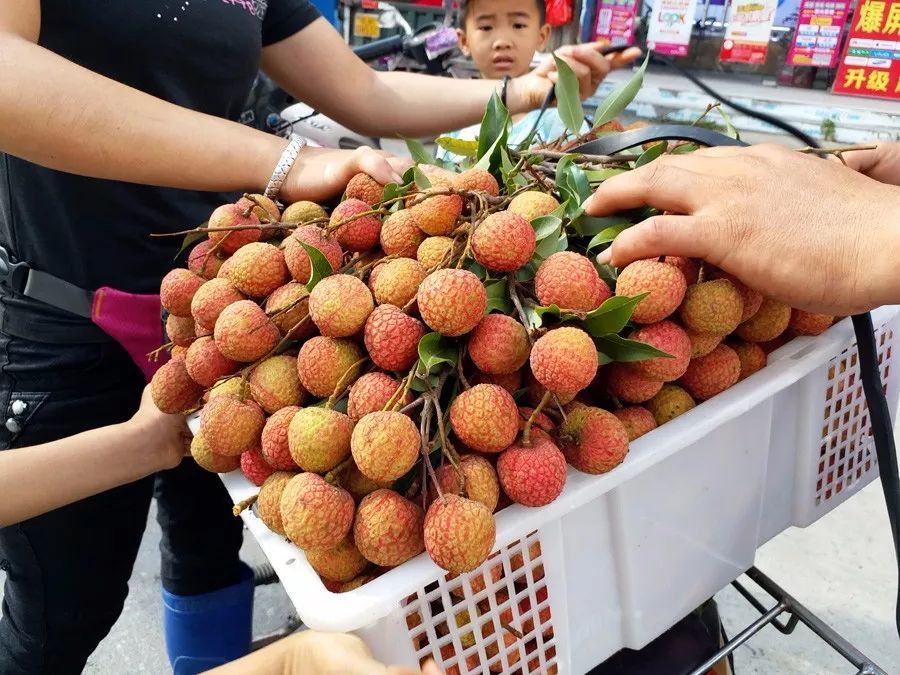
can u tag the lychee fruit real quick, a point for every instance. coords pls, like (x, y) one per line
(437, 214)
(503, 242)
(181, 330)
(401, 235)
(358, 485)
(392, 338)
(570, 281)
(808, 323)
(751, 299)
(319, 438)
(178, 353)
(274, 383)
(354, 231)
(541, 421)
(712, 307)
(315, 515)
(257, 269)
(339, 305)
(230, 425)
(263, 208)
(342, 563)
(512, 382)
(664, 283)
(211, 298)
(288, 309)
(499, 345)
(303, 212)
(669, 338)
(630, 385)
(244, 333)
(564, 360)
(593, 440)
(452, 301)
(364, 188)
(205, 363)
(398, 281)
(768, 323)
(534, 392)
(325, 362)
(210, 461)
(702, 344)
(255, 467)
(388, 528)
(239, 221)
(173, 389)
(385, 445)
(434, 251)
(671, 402)
(203, 261)
(274, 443)
(268, 503)
(637, 421)
(477, 180)
(533, 204)
(177, 290)
(712, 374)
(459, 533)
(485, 418)
(371, 392)
(532, 475)
(689, 267)
(297, 259)
(478, 481)
(233, 386)
(752, 357)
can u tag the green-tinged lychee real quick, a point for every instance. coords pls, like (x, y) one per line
(485, 418)
(274, 383)
(297, 259)
(701, 344)
(452, 301)
(533, 204)
(371, 392)
(203, 261)
(667, 337)
(434, 251)
(570, 281)
(750, 299)
(499, 345)
(207, 459)
(593, 440)
(339, 305)
(630, 385)
(385, 445)
(173, 389)
(564, 360)
(211, 298)
(325, 362)
(231, 226)
(398, 281)
(231, 425)
(768, 323)
(181, 330)
(315, 515)
(353, 230)
(532, 475)
(274, 443)
(257, 269)
(671, 402)
(808, 323)
(436, 215)
(341, 563)
(388, 528)
(503, 242)
(459, 533)
(392, 338)
(244, 333)
(476, 479)
(303, 212)
(751, 355)
(712, 374)
(268, 503)
(319, 438)
(637, 421)
(177, 290)
(205, 363)
(233, 386)
(288, 309)
(401, 235)
(255, 467)
(712, 307)
(364, 188)
(664, 283)
(477, 180)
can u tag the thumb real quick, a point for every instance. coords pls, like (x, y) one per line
(689, 236)
(379, 168)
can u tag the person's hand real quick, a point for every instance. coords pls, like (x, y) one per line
(589, 65)
(799, 229)
(317, 653)
(881, 164)
(321, 173)
(166, 436)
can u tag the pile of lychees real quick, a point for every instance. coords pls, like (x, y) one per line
(395, 372)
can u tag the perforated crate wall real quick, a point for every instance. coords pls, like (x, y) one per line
(457, 620)
(847, 453)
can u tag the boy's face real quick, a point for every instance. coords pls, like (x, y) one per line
(501, 36)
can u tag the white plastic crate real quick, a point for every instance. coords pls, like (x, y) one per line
(619, 558)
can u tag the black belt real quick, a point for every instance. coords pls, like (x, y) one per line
(24, 280)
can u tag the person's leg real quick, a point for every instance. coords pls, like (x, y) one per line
(68, 570)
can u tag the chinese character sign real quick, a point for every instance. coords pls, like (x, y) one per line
(615, 21)
(670, 26)
(749, 30)
(870, 65)
(818, 35)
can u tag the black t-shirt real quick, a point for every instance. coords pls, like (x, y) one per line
(200, 54)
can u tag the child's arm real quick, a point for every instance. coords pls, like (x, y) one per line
(44, 477)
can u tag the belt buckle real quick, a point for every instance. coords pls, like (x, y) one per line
(12, 274)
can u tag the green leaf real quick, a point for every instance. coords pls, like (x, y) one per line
(620, 97)
(498, 296)
(191, 238)
(392, 191)
(409, 176)
(729, 126)
(589, 226)
(552, 310)
(621, 349)
(320, 266)
(685, 148)
(568, 98)
(580, 183)
(544, 226)
(491, 160)
(534, 319)
(603, 359)
(421, 179)
(651, 153)
(493, 127)
(418, 151)
(608, 273)
(547, 246)
(607, 235)
(435, 349)
(512, 178)
(458, 146)
(478, 270)
(562, 243)
(598, 176)
(612, 316)
(503, 305)
(527, 273)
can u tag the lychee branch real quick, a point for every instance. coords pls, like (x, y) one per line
(244, 504)
(512, 285)
(424, 430)
(526, 432)
(343, 384)
(333, 476)
(412, 406)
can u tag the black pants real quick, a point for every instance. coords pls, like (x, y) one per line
(67, 571)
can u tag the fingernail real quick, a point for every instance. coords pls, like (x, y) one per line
(396, 177)
(604, 257)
